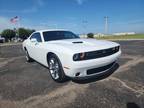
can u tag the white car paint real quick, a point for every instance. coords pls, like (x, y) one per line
(65, 49)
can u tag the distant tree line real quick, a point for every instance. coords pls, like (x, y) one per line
(90, 35)
(21, 33)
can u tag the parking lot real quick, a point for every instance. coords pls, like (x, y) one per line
(29, 85)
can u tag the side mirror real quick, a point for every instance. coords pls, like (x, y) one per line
(33, 40)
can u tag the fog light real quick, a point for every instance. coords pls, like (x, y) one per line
(77, 74)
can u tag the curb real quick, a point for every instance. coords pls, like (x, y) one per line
(10, 44)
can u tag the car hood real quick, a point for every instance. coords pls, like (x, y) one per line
(84, 45)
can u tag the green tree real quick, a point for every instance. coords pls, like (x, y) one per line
(24, 33)
(8, 34)
(30, 31)
(90, 35)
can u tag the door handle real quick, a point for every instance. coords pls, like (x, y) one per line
(36, 43)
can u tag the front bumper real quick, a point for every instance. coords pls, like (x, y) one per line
(80, 69)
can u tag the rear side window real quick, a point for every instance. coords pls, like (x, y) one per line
(37, 36)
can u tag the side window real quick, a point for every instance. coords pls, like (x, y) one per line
(33, 36)
(37, 36)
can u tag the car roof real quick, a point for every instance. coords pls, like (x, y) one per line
(51, 30)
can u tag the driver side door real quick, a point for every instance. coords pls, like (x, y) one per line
(34, 46)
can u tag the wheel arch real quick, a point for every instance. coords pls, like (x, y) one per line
(25, 49)
(63, 76)
(49, 54)
(52, 53)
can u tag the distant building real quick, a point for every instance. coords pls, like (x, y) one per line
(95, 35)
(98, 35)
(2, 40)
(83, 36)
(124, 33)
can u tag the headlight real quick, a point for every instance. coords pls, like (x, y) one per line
(82, 55)
(117, 48)
(78, 56)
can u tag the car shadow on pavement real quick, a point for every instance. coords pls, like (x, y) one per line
(97, 78)
(132, 105)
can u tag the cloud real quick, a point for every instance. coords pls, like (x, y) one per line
(80, 2)
(26, 23)
(5, 23)
(130, 22)
(40, 2)
(34, 8)
(29, 10)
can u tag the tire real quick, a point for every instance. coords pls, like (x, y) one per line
(55, 69)
(28, 58)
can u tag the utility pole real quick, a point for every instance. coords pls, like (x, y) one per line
(106, 24)
(84, 22)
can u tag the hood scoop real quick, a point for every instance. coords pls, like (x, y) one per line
(77, 42)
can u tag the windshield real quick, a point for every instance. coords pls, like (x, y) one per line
(58, 35)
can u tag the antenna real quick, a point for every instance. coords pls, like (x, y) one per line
(106, 24)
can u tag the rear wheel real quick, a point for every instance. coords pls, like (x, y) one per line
(55, 68)
(28, 59)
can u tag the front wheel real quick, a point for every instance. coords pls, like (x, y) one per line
(28, 59)
(55, 68)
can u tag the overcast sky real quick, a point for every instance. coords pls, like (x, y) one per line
(80, 16)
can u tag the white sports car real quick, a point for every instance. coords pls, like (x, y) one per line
(65, 54)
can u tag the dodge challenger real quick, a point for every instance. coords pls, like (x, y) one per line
(67, 55)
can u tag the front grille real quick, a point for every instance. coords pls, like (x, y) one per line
(100, 69)
(101, 53)
(96, 54)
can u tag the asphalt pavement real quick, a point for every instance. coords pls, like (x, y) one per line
(29, 85)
